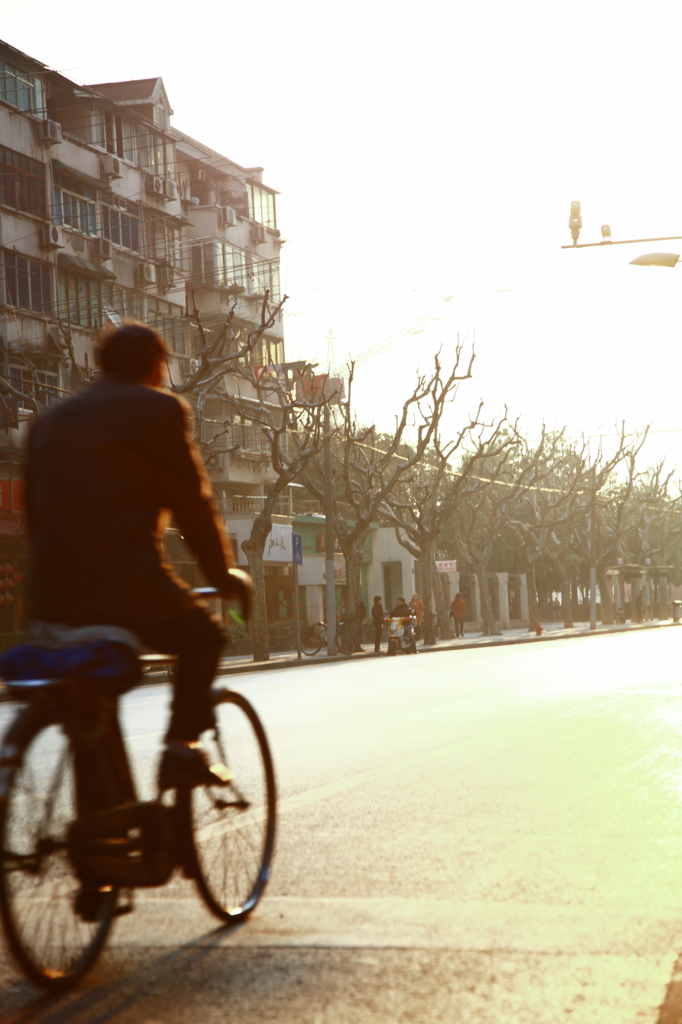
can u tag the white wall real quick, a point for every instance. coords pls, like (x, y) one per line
(385, 548)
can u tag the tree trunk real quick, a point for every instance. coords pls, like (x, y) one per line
(351, 618)
(253, 548)
(489, 624)
(428, 619)
(566, 603)
(531, 586)
(444, 621)
(607, 616)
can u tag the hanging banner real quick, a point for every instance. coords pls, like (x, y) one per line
(447, 566)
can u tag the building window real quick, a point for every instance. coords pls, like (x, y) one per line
(22, 182)
(74, 204)
(79, 299)
(28, 379)
(114, 134)
(22, 89)
(163, 241)
(265, 277)
(122, 301)
(120, 222)
(261, 205)
(27, 283)
(157, 155)
(219, 264)
(167, 319)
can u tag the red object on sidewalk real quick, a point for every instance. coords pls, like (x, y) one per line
(538, 628)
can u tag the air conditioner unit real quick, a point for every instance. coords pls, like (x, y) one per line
(145, 273)
(49, 133)
(102, 249)
(167, 277)
(258, 235)
(110, 166)
(198, 175)
(155, 185)
(228, 217)
(193, 365)
(52, 237)
(170, 190)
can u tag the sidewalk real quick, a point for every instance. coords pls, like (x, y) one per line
(551, 631)
(236, 665)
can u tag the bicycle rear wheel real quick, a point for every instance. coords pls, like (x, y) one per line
(232, 828)
(311, 642)
(55, 927)
(344, 644)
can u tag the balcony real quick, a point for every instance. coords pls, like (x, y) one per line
(252, 504)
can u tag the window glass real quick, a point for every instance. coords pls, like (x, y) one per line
(129, 151)
(22, 182)
(74, 204)
(27, 282)
(98, 130)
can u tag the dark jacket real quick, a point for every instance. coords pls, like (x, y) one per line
(103, 469)
(401, 611)
(378, 614)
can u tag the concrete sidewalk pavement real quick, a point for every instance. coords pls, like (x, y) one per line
(238, 664)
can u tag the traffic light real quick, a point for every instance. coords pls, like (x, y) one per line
(575, 221)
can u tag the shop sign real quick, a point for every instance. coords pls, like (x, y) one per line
(447, 566)
(322, 542)
(278, 544)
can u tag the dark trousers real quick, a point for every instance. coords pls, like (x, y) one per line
(378, 629)
(459, 626)
(197, 640)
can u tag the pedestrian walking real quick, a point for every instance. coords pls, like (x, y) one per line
(417, 606)
(378, 616)
(458, 609)
(556, 609)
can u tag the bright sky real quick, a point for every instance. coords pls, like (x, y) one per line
(432, 150)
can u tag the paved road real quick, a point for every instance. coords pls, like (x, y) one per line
(475, 836)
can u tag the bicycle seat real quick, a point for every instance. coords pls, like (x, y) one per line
(112, 667)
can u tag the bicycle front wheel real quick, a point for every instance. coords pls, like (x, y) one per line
(344, 644)
(55, 926)
(311, 642)
(233, 827)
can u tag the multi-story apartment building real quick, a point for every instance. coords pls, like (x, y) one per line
(107, 212)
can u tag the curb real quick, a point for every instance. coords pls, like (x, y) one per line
(501, 641)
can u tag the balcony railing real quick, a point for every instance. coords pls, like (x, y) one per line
(252, 504)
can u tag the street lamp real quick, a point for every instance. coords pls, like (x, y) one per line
(656, 259)
(575, 223)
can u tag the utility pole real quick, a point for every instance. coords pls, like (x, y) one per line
(593, 552)
(329, 537)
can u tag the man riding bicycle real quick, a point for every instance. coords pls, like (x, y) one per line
(105, 470)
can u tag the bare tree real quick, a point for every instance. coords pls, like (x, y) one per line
(368, 468)
(419, 507)
(293, 431)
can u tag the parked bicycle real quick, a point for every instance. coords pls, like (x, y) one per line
(75, 840)
(316, 637)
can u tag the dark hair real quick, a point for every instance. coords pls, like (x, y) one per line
(130, 352)
(377, 598)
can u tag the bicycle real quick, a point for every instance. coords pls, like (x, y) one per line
(73, 834)
(316, 637)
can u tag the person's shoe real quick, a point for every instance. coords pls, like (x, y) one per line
(190, 768)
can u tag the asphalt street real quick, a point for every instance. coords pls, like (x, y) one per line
(469, 836)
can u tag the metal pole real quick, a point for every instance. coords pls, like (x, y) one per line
(329, 539)
(593, 553)
(296, 611)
